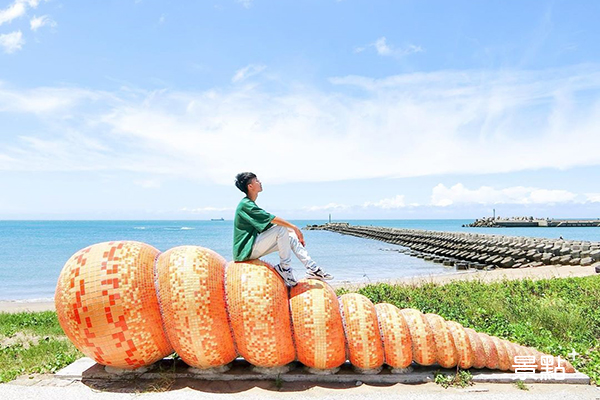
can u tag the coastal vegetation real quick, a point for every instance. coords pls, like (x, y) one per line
(33, 342)
(560, 316)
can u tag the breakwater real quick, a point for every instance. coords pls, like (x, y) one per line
(524, 222)
(474, 250)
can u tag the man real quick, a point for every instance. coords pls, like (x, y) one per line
(257, 233)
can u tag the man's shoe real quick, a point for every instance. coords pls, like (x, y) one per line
(287, 275)
(318, 274)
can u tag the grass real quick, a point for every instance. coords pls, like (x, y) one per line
(45, 349)
(461, 379)
(553, 315)
(521, 385)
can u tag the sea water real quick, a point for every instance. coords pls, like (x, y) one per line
(32, 253)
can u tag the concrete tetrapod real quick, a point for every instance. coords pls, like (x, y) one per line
(127, 305)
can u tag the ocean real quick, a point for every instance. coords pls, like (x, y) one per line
(32, 253)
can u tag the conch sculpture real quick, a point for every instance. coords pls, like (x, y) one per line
(127, 305)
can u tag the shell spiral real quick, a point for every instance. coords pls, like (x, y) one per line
(127, 305)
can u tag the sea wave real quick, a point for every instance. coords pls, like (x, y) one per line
(139, 227)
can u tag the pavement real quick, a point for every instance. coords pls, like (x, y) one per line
(85, 379)
(50, 388)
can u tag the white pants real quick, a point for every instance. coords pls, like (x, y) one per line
(279, 238)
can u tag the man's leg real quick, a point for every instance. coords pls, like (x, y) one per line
(300, 252)
(276, 238)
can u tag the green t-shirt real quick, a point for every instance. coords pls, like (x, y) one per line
(249, 221)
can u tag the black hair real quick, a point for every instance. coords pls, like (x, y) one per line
(243, 179)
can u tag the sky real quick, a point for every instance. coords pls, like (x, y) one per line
(139, 109)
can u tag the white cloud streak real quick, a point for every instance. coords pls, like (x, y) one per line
(458, 194)
(445, 122)
(383, 48)
(388, 203)
(328, 207)
(16, 10)
(245, 3)
(37, 22)
(246, 72)
(11, 42)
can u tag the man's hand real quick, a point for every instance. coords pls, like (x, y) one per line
(300, 235)
(283, 222)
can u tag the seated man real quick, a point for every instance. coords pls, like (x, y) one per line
(257, 233)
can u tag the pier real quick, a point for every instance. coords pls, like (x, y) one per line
(473, 250)
(524, 222)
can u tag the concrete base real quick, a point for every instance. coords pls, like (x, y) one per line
(86, 369)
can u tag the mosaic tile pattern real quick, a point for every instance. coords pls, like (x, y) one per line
(107, 305)
(397, 344)
(423, 341)
(479, 354)
(257, 302)
(365, 349)
(317, 325)
(446, 354)
(462, 343)
(191, 294)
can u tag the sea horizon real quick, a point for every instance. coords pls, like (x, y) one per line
(33, 252)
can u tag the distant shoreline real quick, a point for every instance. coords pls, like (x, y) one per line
(545, 272)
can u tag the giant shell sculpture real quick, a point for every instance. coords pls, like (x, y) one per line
(127, 305)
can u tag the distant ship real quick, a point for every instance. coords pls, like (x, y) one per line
(217, 219)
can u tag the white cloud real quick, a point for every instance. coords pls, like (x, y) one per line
(37, 22)
(458, 194)
(383, 48)
(389, 203)
(593, 197)
(247, 72)
(199, 210)
(328, 207)
(445, 122)
(245, 3)
(162, 19)
(148, 183)
(16, 10)
(46, 100)
(12, 42)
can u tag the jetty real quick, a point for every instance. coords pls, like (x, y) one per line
(530, 222)
(476, 250)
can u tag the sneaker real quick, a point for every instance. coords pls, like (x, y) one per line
(287, 275)
(318, 274)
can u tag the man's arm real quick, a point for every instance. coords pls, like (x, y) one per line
(283, 222)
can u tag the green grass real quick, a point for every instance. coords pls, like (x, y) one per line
(43, 323)
(461, 379)
(552, 315)
(52, 352)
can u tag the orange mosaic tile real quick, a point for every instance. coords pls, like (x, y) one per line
(365, 349)
(209, 311)
(317, 325)
(191, 293)
(397, 344)
(462, 344)
(107, 306)
(446, 354)
(257, 302)
(423, 341)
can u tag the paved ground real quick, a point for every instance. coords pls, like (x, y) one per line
(50, 388)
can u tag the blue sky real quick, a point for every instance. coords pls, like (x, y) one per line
(363, 109)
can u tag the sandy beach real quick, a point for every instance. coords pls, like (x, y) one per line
(545, 272)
